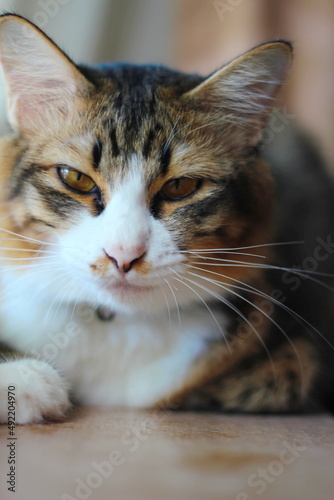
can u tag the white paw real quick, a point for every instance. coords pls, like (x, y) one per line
(40, 392)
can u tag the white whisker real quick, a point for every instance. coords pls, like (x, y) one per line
(227, 289)
(206, 305)
(234, 253)
(301, 272)
(29, 259)
(76, 301)
(167, 304)
(237, 311)
(54, 302)
(172, 135)
(64, 290)
(29, 250)
(232, 249)
(176, 302)
(13, 287)
(26, 238)
(45, 285)
(19, 268)
(260, 293)
(196, 129)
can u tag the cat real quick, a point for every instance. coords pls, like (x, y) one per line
(149, 254)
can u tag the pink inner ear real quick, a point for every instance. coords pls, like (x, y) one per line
(52, 83)
(37, 103)
(42, 83)
(37, 111)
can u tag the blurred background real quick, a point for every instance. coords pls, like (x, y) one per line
(199, 36)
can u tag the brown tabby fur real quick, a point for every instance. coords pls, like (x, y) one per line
(232, 375)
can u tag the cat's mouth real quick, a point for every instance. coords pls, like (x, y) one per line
(126, 289)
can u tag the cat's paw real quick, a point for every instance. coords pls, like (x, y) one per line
(40, 392)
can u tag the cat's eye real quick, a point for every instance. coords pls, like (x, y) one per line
(178, 189)
(76, 180)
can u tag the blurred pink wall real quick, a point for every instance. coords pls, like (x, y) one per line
(210, 32)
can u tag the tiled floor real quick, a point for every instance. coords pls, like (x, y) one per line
(108, 454)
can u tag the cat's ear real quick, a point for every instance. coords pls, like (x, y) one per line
(239, 97)
(42, 84)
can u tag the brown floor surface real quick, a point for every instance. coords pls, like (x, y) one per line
(114, 454)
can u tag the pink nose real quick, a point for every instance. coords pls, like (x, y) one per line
(125, 258)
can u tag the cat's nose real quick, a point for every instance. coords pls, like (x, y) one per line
(125, 258)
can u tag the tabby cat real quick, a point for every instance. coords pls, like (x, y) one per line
(149, 257)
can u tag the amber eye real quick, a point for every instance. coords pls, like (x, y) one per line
(76, 180)
(177, 189)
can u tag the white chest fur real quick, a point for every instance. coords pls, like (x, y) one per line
(128, 361)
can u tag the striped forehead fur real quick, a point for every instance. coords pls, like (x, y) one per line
(167, 142)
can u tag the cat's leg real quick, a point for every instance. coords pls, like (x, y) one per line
(39, 392)
(279, 384)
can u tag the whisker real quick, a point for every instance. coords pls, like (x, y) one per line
(28, 250)
(45, 285)
(226, 288)
(26, 238)
(244, 318)
(6, 216)
(234, 253)
(195, 130)
(13, 288)
(70, 284)
(4, 238)
(260, 293)
(215, 250)
(172, 135)
(208, 308)
(183, 128)
(75, 305)
(301, 272)
(19, 268)
(267, 297)
(168, 308)
(64, 290)
(147, 309)
(83, 292)
(29, 259)
(176, 302)
(54, 301)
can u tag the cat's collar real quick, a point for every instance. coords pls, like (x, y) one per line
(104, 314)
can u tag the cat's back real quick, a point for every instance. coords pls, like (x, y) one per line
(304, 190)
(304, 220)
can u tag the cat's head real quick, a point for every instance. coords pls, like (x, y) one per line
(138, 176)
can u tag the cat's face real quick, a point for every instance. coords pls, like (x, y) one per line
(134, 174)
